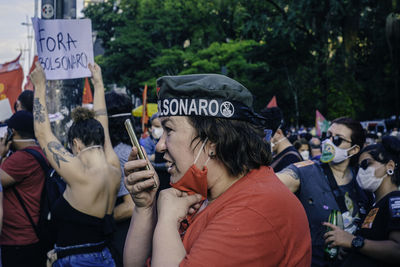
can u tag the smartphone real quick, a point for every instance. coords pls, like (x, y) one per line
(134, 141)
(9, 135)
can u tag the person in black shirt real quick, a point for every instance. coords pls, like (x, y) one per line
(377, 242)
(284, 153)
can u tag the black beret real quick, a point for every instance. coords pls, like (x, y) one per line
(21, 121)
(210, 95)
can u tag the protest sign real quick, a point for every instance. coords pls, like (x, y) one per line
(64, 47)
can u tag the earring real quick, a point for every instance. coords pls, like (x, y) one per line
(211, 154)
(390, 172)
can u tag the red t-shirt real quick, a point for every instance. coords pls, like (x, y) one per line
(27, 172)
(256, 222)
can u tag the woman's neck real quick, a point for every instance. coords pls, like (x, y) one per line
(220, 184)
(90, 154)
(341, 172)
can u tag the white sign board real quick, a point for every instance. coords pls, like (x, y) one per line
(5, 109)
(64, 47)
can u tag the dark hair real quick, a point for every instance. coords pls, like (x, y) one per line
(26, 99)
(298, 143)
(239, 144)
(85, 127)
(357, 137)
(118, 104)
(274, 119)
(26, 135)
(383, 152)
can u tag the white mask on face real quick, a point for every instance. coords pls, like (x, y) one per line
(273, 144)
(157, 132)
(330, 152)
(305, 154)
(367, 179)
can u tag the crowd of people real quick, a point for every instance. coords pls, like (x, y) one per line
(220, 185)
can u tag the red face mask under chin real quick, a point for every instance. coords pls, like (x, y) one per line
(193, 181)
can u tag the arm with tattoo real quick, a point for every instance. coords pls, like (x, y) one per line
(40, 116)
(290, 178)
(56, 154)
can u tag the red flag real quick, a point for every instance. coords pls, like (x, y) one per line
(87, 97)
(11, 77)
(28, 84)
(321, 124)
(272, 103)
(145, 117)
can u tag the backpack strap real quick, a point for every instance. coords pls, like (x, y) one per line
(290, 152)
(25, 210)
(45, 168)
(339, 197)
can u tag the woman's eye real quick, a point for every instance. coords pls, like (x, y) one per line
(167, 129)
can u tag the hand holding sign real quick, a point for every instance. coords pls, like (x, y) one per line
(64, 47)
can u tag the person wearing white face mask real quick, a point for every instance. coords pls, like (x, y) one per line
(329, 183)
(149, 143)
(377, 242)
(304, 149)
(283, 151)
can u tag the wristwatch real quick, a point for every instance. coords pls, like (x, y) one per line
(357, 242)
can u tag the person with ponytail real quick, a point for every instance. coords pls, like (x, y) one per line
(83, 215)
(377, 242)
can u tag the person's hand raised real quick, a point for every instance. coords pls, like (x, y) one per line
(96, 74)
(38, 77)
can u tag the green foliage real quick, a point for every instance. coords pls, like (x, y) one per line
(327, 55)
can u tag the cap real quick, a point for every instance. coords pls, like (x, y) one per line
(21, 121)
(210, 95)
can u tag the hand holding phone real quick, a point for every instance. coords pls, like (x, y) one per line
(134, 141)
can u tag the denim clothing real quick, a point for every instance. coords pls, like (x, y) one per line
(102, 258)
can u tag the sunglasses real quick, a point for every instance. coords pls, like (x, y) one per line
(364, 164)
(337, 140)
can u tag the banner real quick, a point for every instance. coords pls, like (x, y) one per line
(87, 97)
(321, 124)
(28, 84)
(272, 103)
(64, 47)
(11, 77)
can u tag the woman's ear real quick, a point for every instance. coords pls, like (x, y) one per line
(211, 149)
(354, 150)
(76, 145)
(390, 165)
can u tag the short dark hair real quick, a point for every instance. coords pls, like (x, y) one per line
(26, 99)
(298, 143)
(383, 152)
(357, 137)
(274, 119)
(239, 144)
(86, 128)
(118, 103)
